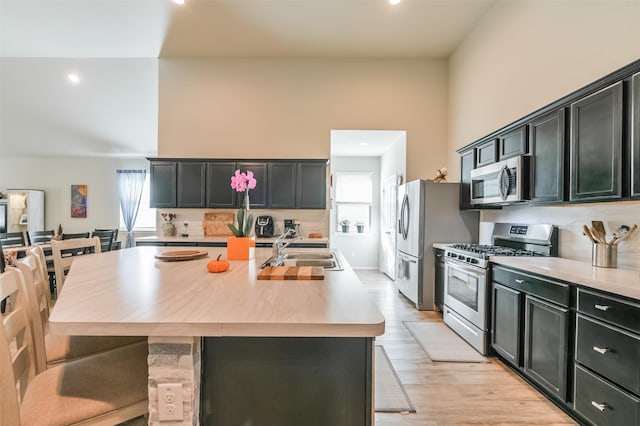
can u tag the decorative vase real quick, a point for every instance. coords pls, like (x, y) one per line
(246, 200)
(241, 248)
(168, 229)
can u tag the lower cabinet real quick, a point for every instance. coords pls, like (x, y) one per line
(438, 296)
(530, 327)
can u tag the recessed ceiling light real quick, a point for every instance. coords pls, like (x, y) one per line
(364, 144)
(394, 2)
(178, 1)
(74, 78)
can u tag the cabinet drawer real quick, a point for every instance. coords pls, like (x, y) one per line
(616, 311)
(603, 403)
(546, 289)
(610, 351)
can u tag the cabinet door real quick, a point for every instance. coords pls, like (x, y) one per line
(219, 191)
(546, 342)
(467, 163)
(486, 153)
(546, 140)
(282, 185)
(513, 143)
(258, 195)
(163, 184)
(191, 184)
(312, 185)
(506, 323)
(596, 146)
(635, 137)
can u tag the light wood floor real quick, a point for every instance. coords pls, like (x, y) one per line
(449, 393)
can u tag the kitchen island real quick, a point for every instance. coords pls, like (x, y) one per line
(264, 331)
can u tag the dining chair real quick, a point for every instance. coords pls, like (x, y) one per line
(106, 238)
(39, 237)
(44, 237)
(52, 349)
(64, 251)
(75, 236)
(106, 388)
(12, 239)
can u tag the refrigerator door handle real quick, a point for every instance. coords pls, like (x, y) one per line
(404, 217)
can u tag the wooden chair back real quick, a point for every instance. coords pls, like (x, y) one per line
(106, 238)
(12, 239)
(65, 251)
(34, 290)
(39, 237)
(17, 361)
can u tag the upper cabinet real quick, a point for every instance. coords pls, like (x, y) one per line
(596, 146)
(280, 184)
(584, 147)
(635, 136)
(512, 143)
(163, 179)
(546, 146)
(191, 184)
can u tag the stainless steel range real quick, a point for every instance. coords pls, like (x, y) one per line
(467, 284)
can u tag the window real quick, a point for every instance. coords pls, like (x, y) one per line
(146, 219)
(354, 195)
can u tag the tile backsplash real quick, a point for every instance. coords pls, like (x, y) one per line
(312, 221)
(570, 218)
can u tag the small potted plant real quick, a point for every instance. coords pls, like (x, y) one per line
(360, 227)
(344, 223)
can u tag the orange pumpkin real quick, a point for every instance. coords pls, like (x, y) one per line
(218, 265)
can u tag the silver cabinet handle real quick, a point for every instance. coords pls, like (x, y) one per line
(601, 350)
(602, 307)
(520, 281)
(598, 405)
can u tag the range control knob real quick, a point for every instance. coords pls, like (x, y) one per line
(474, 260)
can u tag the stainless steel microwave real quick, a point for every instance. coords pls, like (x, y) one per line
(503, 182)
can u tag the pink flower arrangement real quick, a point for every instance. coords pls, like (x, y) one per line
(243, 181)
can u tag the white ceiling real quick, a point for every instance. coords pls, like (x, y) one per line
(365, 143)
(113, 111)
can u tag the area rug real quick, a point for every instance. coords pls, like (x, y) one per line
(390, 395)
(441, 343)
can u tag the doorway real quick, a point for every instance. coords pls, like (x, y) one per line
(365, 167)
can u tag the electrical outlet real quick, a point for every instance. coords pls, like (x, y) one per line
(170, 401)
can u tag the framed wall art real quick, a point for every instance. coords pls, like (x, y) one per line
(79, 201)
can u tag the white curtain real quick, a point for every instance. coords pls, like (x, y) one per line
(130, 184)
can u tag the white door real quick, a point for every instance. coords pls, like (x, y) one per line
(388, 228)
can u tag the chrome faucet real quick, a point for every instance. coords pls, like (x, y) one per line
(281, 243)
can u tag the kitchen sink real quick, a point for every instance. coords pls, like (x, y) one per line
(326, 260)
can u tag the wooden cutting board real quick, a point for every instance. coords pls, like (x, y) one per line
(215, 224)
(176, 255)
(292, 273)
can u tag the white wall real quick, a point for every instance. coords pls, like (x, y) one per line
(56, 175)
(361, 250)
(524, 55)
(286, 108)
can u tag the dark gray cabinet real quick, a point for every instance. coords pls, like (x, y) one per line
(218, 188)
(596, 146)
(438, 296)
(191, 184)
(312, 185)
(512, 143)
(546, 146)
(546, 345)
(163, 178)
(487, 153)
(635, 136)
(258, 195)
(282, 185)
(506, 323)
(467, 163)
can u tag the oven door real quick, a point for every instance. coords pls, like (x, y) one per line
(465, 289)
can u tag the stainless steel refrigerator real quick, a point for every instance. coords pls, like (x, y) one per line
(428, 213)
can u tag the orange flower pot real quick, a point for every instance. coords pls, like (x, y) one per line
(241, 248)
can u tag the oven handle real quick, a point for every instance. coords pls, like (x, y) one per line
(465, 267)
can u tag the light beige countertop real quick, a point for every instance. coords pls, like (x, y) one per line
(624, 282)
(129, 292)
(203, 239)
